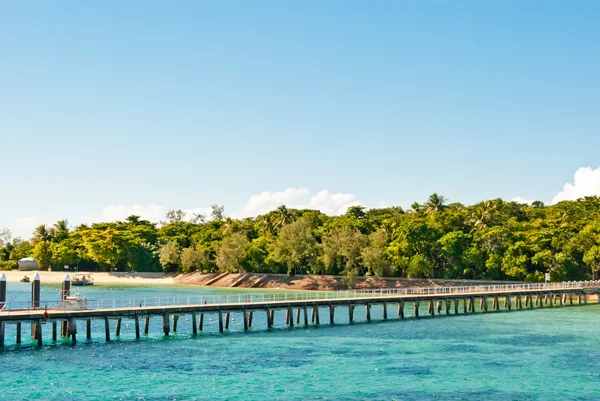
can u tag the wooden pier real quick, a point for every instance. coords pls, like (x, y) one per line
(439, 301)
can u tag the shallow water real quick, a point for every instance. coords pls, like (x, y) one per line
(540, 354)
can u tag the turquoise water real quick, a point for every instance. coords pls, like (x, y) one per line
(540, 354)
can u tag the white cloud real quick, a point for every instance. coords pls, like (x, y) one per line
(585, 183)
(24, 226)
(151, 212)
(267, 201)
(333, 204)
(298, 198)
(518, 199)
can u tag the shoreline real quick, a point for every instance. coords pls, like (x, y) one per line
(258, 281)
(100, 278)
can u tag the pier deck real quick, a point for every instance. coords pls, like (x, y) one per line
(439, 301)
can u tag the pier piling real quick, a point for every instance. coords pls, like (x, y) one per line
(107, 328)
(137, 326)
(166, 324)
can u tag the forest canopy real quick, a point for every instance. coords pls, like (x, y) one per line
(493, 239)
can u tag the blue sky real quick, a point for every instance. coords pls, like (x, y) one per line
(161, 105)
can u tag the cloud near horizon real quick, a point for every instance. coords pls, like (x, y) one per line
(586, 182)
(297, 198)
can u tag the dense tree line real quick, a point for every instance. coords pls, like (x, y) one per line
(489, 240)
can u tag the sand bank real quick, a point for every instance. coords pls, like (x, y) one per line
(99, 278)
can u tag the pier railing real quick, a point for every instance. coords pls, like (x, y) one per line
(117, 303)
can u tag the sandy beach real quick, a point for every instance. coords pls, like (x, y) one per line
(99, 278)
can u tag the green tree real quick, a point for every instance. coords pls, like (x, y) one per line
(193, 259)
(231, 253)
(375, 255)
(169, 256)
(296, 247)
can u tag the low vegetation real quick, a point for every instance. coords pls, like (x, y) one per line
(489, 240)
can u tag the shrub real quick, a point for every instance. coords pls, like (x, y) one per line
(8, 265)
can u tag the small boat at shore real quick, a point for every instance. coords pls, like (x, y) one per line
(25, 279)
(82, 279)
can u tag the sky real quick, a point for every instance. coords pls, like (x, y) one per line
(112, 108)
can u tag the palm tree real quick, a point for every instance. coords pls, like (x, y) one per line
(435, 203)
(482, 215)
(42, 234)
(61, 230)
(283, 216)
(267, 225)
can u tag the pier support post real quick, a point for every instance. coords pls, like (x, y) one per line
(316, 309)
(485, 304)
(384, 311)
(201, 324)
(106, 328)
(416, 308)
(312, 315)
(456, 300)
(54, 330)
(19, 333)
(331, 314)
(290, 312)
(269, 321)
(298, 316)
(245, 317)
(472, 304)
(551, 296)
(118, 330)
(195, 323)
(350, 313)
(288, 316)
(571, 298)
(72, 331)
(227, 320)
(509, 302)
(250, 316)
(88, 329)
(448, 306)
(439, 307)
(175, 321)
(368, 307)
(147, 325)
(465, 309)
(220, 321)
(65, 291)
(137, 326)
(166, 324)
(2, 334)
(401, 309)
(2, 290)
(38, 332)
(305, 315)
(430, 308)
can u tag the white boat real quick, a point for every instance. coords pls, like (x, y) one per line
(73, 303)
(82, 279)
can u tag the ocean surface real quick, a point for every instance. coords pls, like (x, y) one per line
(540, 354)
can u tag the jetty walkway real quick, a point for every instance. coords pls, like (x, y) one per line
(304, 307)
